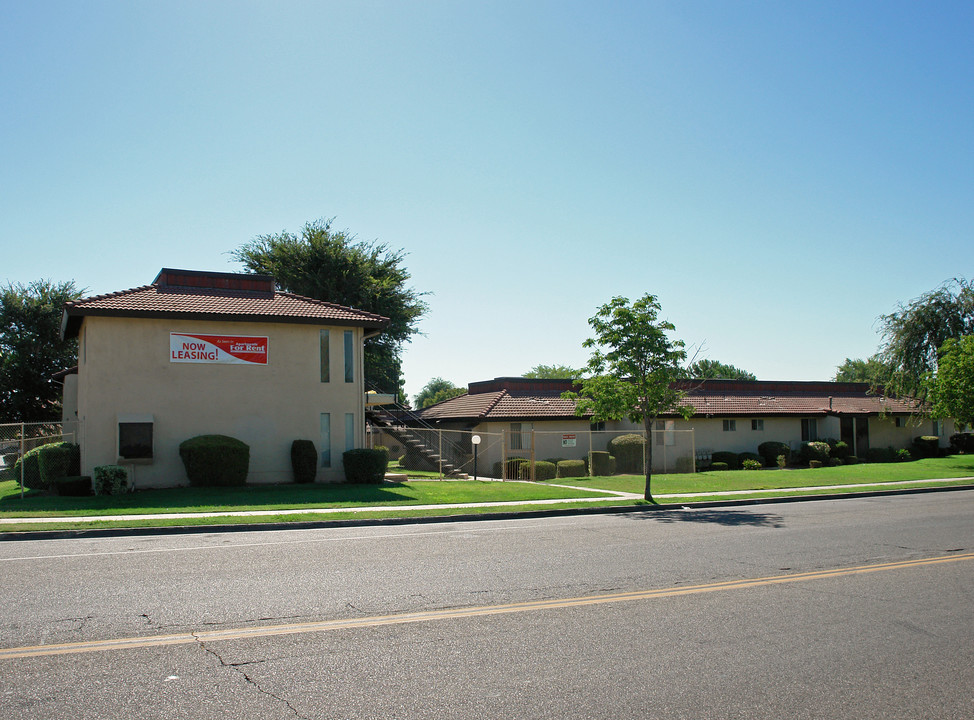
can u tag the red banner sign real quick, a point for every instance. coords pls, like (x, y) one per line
(217, 349)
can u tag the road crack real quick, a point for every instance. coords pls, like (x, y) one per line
(238, 668)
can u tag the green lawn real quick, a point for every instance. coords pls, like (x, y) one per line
(950, 467)
(274, 497)
(269, 499)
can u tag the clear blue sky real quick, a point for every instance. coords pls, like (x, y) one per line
(778, 173)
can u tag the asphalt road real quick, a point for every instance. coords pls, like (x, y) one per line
(826, 609)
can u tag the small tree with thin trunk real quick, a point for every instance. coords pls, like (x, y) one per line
(634, 369)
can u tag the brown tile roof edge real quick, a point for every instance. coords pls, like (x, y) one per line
(155, 301)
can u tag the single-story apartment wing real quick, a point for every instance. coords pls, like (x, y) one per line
(730, 415)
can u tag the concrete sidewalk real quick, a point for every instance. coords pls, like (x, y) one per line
(725, 495)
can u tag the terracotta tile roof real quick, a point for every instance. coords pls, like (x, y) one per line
(216, 303)
(714, 398)
(500, 405)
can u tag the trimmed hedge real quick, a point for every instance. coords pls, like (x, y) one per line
(73, 486)
(925, 446)
(771, 450)
(215, 460)
(304, 461)
(628, 452)
(603, 464)
(718, 466)
(727, 458)
(512, 467)
(571, 468)
(58, 460)
(365, 466)
(963, 442)
(542, 470)
(840, 450)
(880, 455)
(110, 480)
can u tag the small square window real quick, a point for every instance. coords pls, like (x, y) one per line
(730, 425)
(135, 437)
(757, 424)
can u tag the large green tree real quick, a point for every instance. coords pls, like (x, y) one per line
(437, 390)
(914, 334)
(32, 350)
(871, 370)
(952, 388)
(714, 370)
(552, 372)
(634, 368)
(331, 265)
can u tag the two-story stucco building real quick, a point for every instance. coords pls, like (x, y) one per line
(199, 353)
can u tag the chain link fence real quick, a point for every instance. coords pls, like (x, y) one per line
(18, 439)
(619, 452)
(448, 453)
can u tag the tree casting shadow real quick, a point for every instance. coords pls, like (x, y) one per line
(733, 518)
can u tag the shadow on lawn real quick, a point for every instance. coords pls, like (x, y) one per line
(186, 498)
(733, 518)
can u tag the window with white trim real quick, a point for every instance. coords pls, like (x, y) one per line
(730, 425)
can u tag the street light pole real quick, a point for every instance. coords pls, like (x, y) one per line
(476, 444)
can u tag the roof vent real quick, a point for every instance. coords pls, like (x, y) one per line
(202, 280)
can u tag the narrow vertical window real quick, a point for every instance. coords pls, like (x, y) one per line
(349, 356)
(324, 355)
(809, 430)
(517, 441)
(349, 431)
(325, 440)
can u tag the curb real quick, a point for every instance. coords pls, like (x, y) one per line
(461, 517)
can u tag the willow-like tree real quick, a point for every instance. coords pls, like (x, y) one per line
(952, 388)
(330, 265)
(914, 335)
(634, 370)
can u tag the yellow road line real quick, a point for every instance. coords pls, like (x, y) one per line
(261, 631)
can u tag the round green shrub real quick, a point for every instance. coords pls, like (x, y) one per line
(571, 468)
(628, 452)
(57, 460)
(110, 479)
(840, 450)
(215, 460)
(852, 460)
(728, 458)
(903, 455)
(741, 457)
(814, 451)
(751, 464)
(771, 450)
(304, 461)
(718, 466)
(365, 466)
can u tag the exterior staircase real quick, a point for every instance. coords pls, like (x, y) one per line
(394, 423)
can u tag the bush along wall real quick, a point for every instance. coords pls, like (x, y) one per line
(215, 460)
(603, 463)
(628, 452)
(571, 468)
(365, 466)
(304, 461)
(770, 451)
(110, 480)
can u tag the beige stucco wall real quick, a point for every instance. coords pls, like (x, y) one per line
(124, 369)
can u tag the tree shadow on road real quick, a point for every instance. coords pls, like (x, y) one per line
(729, 517)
